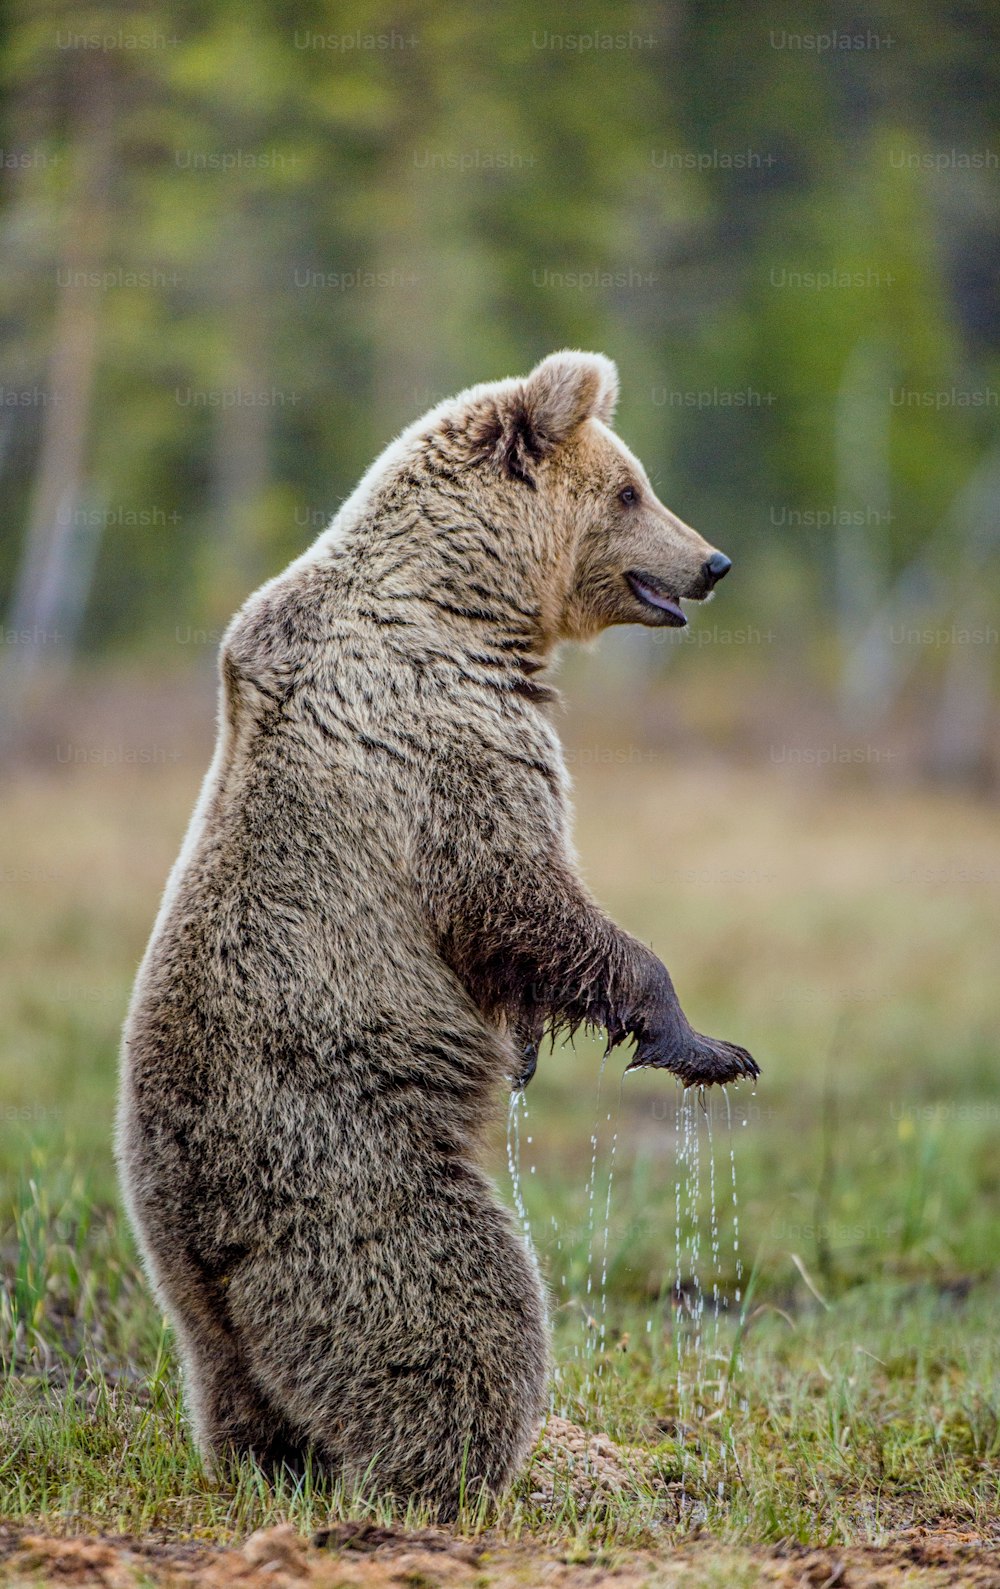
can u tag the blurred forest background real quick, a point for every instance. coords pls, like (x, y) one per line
(243, 243)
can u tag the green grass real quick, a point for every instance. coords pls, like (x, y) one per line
(849, 1394)
(828, 1423)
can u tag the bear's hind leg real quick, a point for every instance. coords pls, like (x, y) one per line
(232, 1417)
(416, 1360)
(231, 1414)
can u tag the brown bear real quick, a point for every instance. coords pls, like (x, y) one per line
(374, 916)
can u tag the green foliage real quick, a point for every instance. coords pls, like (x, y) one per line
(345, 211)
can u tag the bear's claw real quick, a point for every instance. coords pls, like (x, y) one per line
(529, 1064)
(697, 1061)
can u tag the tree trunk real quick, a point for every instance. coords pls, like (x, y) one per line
(50, 588)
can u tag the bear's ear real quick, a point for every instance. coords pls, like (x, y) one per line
(567, 388)
(530, 418)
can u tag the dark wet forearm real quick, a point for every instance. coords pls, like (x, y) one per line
(559, 963)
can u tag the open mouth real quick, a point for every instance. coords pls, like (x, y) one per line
(654, 594)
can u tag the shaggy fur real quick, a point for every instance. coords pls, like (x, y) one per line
(374, 917)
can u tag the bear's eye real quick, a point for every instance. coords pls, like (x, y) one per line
(628, 496)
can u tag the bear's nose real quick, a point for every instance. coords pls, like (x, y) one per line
(716, 567)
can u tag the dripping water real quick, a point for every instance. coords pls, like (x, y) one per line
(737, 1258)
(694, 1338)
(700, 1359)
(603, 1316)
(714, 1232)
(518, 1103)
(594, 1311)
(688, 1296)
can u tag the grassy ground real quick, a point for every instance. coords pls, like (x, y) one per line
(826, 1377)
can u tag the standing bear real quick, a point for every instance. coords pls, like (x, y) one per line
(374, 917)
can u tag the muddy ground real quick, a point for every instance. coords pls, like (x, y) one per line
(379, 1558)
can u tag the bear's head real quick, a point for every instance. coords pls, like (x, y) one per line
(614, 553)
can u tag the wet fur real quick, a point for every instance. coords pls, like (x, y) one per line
(375, 915)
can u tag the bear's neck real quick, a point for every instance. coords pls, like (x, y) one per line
(459, 578)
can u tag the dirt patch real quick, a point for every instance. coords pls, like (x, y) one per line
(370, 1557)
(592, 1467)
(918, 1558)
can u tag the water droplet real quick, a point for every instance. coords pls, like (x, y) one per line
(517, 1103)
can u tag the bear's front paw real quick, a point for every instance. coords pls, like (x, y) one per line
(697, 1061)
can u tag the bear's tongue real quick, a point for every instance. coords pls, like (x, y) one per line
(656, 598)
